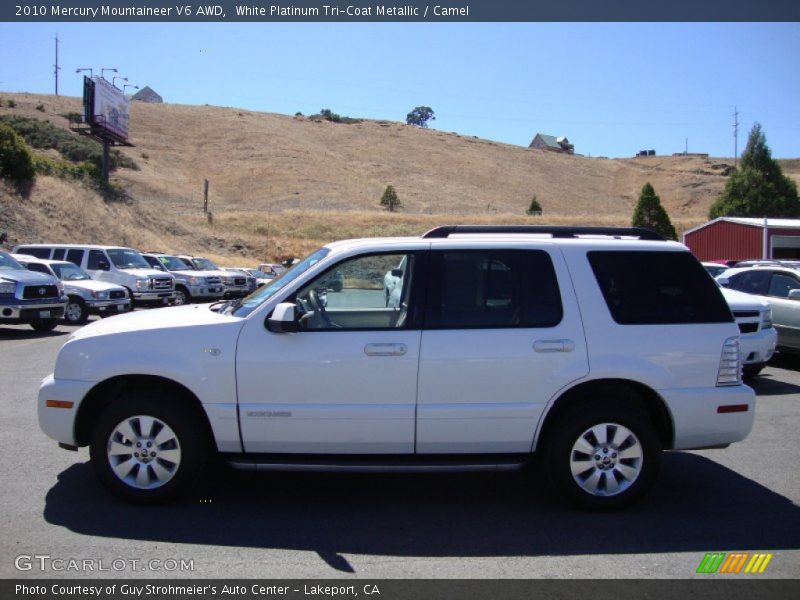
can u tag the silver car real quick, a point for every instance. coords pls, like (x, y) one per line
(778, 286)
(85, 295)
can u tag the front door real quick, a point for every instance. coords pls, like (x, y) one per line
(346, 383)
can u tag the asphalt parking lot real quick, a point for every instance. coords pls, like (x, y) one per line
(744, 498)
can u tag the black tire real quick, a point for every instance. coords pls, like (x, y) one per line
(608, 467)
(44, 325)
(76, 313)
(187, 433)
(751, 371)
(182, 296)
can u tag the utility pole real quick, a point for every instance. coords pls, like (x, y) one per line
(735, 136)
(57, 68)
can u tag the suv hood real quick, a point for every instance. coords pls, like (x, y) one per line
(94, 285)
(147, 272)
(155, 319)
(742, 301)
(193, 273)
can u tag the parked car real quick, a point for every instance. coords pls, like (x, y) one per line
(261, 277)
(714, 269)
(757, 335)
(780, 288)
(190, 285)
(272, 269)
(85, 296)
(112, 264)
(29, 298)
(595, 348)
(236, 285)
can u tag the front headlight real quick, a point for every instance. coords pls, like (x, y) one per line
(100, 295)
(141, 284)
(766, 318)
(195, 281)
(8, 287)
(228, 280)
(60, 288)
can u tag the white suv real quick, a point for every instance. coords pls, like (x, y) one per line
(595, 348)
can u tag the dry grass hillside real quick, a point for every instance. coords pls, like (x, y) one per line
(281, 185)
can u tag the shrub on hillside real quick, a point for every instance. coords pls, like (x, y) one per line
(44, 135)
(16, 162)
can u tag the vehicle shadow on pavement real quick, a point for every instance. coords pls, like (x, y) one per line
(12, 333)
(697, 505)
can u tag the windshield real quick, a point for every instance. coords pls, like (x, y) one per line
(6, 262)
(265, 292)
(203, 264)
(69, 272)
(127, 259)
(173, 263)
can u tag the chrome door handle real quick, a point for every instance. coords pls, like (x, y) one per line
(385, 349)
(547, 346)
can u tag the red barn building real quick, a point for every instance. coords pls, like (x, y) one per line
(742, 238)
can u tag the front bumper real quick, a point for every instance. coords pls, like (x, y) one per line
(758, 347)
(238, 291)
(698, 422)
(207, 292)
(59, 423)
(27, 312)
(108, 307)
(153, 296)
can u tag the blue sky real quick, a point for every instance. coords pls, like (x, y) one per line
(612, 89)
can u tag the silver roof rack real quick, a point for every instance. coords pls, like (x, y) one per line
(554, 231)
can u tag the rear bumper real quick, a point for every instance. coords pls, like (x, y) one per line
(697, 419)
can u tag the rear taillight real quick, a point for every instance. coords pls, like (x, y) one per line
(730, 363)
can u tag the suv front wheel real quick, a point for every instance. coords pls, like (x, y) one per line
(147, 448)
(603, 455)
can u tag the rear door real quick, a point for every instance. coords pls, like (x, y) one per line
(501, 336)
(785, 311)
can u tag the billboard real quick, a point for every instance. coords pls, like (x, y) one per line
(106, 108)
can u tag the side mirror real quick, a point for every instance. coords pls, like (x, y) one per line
(282, 319)
(794, 295)
(397, 273)
(724, 281)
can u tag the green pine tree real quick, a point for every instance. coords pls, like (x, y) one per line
(650, 214)
(389, 200)
(759, 188)
(535, 208)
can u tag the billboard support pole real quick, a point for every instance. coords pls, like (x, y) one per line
(106, 146)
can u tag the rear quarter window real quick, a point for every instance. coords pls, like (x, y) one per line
(654, 288)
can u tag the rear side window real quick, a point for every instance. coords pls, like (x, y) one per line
(492, 289)
(75, 256)
(58, 254)
(653, 288)
(38, 268)
(37, 252)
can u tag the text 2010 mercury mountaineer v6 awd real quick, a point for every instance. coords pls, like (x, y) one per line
(594, 348)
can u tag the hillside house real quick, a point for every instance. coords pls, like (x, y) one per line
(552, 143)
(147, 94)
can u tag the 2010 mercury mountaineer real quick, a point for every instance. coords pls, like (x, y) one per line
(595, 348)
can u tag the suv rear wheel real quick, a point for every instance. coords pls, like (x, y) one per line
(146, 448)
(182, 296)
(603, 455)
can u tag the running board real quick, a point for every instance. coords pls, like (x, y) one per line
(377, 463)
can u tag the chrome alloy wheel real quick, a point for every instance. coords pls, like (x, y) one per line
(73, 312)
(143, 452)
(606, 459)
